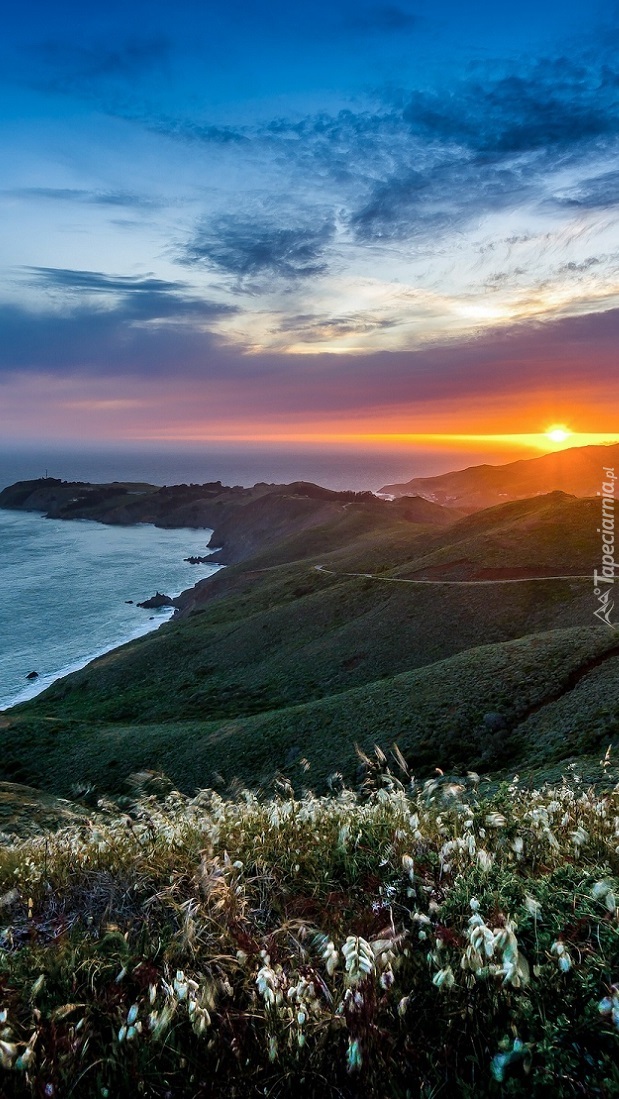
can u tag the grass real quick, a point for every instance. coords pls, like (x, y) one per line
(437, 714)
(442, 938)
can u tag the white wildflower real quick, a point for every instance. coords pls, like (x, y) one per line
(532, 906)
(444, 978)
(408, 866)
(580, 837)
(564, 960)
(485, 860)
(358, 959)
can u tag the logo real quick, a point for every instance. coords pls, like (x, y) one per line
(605, 609)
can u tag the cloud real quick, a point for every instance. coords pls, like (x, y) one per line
(574, 268)
(91, 198)
(385, 18)
(73, 67)
(555, 102)
(412, 203)
(189, 130)
(117, 342)
(592, 193)
(248, 249)
(313, 328)
(114, 342)
(109, 324)
(98, 282)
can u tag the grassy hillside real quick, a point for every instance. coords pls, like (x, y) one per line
(551, 535)
(522, 702)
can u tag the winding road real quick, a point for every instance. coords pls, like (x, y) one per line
(450, 583)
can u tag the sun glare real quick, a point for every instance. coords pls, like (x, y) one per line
(558, 433)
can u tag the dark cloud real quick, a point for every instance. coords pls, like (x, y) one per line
(98, 282)
(552, 103)
(596, 193)
(411, 203)
(248, 249)
(102, 343)
(497, 367)
(386, 18)
(71, 67)
(580, 268)
(130, 299)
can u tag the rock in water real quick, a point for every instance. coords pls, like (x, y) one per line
(157, 600)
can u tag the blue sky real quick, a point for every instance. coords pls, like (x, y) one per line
(315, 219)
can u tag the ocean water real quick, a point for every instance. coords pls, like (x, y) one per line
(342, 467)
(64, 590)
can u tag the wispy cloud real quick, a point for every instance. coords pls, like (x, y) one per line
(119, 300)
(190, 130)
(81, 195)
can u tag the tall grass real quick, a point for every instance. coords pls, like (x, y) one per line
(416, 940)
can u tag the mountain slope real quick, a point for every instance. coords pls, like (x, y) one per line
(578, 471)
(511, 704)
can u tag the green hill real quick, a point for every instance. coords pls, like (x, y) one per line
(532, 701)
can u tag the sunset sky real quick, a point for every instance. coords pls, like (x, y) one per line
(308, 221)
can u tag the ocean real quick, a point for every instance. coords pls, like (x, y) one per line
(65, 585)
(336, 467)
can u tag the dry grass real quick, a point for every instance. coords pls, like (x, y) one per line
(416, 941)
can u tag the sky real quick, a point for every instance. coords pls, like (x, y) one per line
(327, 221)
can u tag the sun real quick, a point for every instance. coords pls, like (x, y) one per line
(558, 433)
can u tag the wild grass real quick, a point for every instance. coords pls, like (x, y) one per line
(428, 939)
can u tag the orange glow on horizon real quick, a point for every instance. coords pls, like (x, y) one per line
(540, 441)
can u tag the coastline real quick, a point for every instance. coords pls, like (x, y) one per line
(37, 686)
(66, 594)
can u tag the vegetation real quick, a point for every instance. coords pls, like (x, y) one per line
(415, 940)
(272, 661)
(533, 701)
